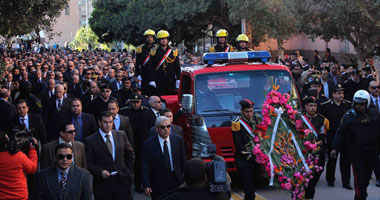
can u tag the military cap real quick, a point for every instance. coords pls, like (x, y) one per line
(246, 103)
(367, 68)
(337, 88)
(104, 86)
(316, 81)
(309, 99)
(135, 97)
(136, 85)
(126, 78)
(355, 71)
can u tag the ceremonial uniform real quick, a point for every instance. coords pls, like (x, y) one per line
(137, 122)
(164, 70)
(319, 125)
(219, 48)
(141, 68)
(243, 134)
(334, 114)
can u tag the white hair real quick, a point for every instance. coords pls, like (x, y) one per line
(161, 119)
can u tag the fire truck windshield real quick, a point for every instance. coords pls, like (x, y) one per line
(220, 93)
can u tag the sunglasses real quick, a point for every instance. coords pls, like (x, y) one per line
(88, 74)
(163, 127)
(70, 132)
(63, 156)
(375, 87)
(157, 102)
(361, 104)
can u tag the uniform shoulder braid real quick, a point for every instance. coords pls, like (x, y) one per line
(139, 48)
(153, 50)
(175, 51)
(235, 124)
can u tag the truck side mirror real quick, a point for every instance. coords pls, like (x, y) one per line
(187, 103)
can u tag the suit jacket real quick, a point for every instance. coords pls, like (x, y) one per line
(78, 185)
(36, 126)
(153, 162)
(37, 86)
(125, 125)
(114, 87)
(149, 119)
(174, 129)
(51, 116)
(11, 87)
(48, 154)
(373, 105)
(7, 113)
(99, 158)
(89, 125)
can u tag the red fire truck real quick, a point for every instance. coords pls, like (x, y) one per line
(209, 96)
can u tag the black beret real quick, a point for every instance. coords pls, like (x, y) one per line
(246, 103)
(309, 99)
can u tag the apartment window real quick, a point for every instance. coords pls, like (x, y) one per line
(67, 10)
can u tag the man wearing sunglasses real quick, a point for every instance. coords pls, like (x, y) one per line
(359, 133)
(64, 180)
(373, 89)
(163, 160)
(66, 135)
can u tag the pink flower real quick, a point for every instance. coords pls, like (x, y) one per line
(290, 111)
(307, 132)
(256, 139)
(286, 96)
(267, 121)
(287, 106)
(276, 99)
(310, 146)
(286, 186)
(298, 124)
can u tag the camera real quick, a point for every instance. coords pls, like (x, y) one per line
(20, 140)
(216, 171)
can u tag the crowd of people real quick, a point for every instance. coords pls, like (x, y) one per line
(100, 128)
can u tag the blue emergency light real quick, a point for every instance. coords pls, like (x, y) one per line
(233, 57)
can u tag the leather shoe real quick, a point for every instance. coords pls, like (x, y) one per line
(331, 184)
(348, 187)
(378, 183)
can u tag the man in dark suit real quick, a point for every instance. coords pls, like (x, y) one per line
(120, 123)
(30, 121)
(55, 109)
(64, 181)
(151, 114)
(117, 83)
(374, 88)
(174, 129)
(126, 92)
(84, 123)
(163, 160)
(37, 83)
(327, 84)
(67, 132)
(49, 93)
(89, 96)
(7, 111)
(100, 103)
(110, 159)
(9, 82)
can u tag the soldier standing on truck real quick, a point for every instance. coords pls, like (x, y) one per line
(243, 41)
(222, 45)
(242, 131)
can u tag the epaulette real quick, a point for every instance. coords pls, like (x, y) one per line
(211, 49)
(346, 81)
(175, 51)
(126, 107)
(326, 102)
(346, 101)
(144, 107)
(153, 50)
(326, 122)
(235, 126)
(139, 48)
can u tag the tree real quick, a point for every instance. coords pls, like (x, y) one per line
(186, 20)
(358, 21)
(85, 39)
(18, 17)
(269, 19)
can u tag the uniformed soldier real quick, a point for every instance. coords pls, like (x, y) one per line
(222, 45)
(319, 126)
(142, 58)
(359, 133)
(334, 110)
(164, 68)
(135, 113)
(100, 103)
(316, 86)
(125, 92)
(353, 84)
(243, 133)
(243, 41)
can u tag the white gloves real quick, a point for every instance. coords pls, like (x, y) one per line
(153, 84)
(177, 84)
(139, 78)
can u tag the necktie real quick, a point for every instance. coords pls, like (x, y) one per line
(59, 104)
(157, 114)
(78, 130)
(166, 156)
(51, 94)
(63, 183)
(377, 104)
(109, 144)
(23, 122)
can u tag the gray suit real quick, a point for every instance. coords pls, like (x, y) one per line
(174, 129)
(78, 185)
(48, 154)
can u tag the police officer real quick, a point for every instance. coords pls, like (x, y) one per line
(125, 92)
(334, 110)
(242, 132)
(164, 68)
(319, 125)
(353, 84)
(242, 40)
(142, 58)
(359, 132)
(315, 91)
(135, 113)
(222, 45)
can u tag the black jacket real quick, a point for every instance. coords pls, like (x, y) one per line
(191, 193)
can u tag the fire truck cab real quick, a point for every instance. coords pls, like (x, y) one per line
(209, 94)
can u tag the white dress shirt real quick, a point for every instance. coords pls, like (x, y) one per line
(25, 119)
(116, 121)
(374, 101)
(326, 89)
(162, 140)
(103, 134)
